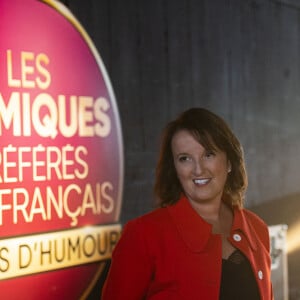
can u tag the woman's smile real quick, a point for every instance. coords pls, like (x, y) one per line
(201, 182)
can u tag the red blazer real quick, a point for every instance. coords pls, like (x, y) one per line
(171, 253)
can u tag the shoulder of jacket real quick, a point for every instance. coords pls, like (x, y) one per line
(253, 217)
(259, 225)
(154, 219)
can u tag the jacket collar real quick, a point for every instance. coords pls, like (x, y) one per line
(242, 223)
(188, 222)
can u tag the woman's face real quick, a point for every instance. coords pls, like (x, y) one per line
(201, 172)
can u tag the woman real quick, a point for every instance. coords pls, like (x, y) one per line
(201, 243)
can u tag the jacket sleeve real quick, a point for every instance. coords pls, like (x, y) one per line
(131, 266)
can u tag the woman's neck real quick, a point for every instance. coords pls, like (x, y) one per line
(218, 214)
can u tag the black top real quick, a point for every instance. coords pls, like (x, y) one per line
(238, 281)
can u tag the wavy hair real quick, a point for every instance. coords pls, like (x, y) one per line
(212, 132)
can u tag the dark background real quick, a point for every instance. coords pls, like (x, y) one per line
(239, 58)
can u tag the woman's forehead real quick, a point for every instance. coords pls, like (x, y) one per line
(204, 138)
(184, 138)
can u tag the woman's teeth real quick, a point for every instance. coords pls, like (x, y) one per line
(201, 181)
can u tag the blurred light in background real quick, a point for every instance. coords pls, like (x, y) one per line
(293, 238)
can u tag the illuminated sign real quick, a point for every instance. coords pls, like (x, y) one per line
(61, 155)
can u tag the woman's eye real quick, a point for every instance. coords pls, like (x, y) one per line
(209, 154)
(183, 158)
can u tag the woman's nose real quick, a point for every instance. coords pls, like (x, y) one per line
(198, 167)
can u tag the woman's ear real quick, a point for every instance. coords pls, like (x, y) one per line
(229, 167)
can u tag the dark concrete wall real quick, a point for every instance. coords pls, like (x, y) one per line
(238, 58)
